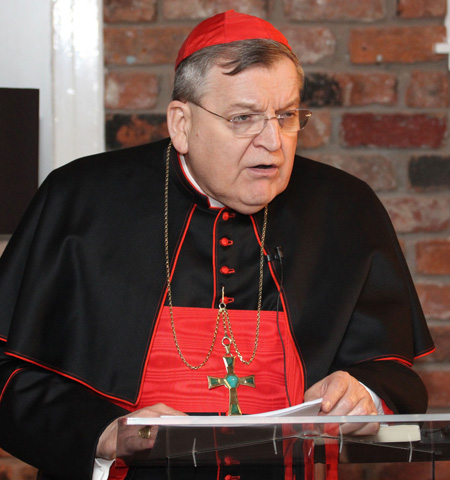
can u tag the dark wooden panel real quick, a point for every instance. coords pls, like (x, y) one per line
(19, 153)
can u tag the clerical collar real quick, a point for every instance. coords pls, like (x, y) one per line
(213, 203)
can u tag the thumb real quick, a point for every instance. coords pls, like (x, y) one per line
(313, 392)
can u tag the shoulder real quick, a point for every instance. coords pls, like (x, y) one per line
(313, 179)
(323, 174)
(319, 194)
(141, 156)
(109, 168)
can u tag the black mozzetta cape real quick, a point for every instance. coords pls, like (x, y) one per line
(83, 278)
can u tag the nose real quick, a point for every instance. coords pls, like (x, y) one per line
(270, 135)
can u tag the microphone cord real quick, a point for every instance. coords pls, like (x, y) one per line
(279, 256)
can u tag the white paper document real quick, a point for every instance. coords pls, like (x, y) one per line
(302, 410)
(306, 409)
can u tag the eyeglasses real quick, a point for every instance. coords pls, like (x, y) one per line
(252, 124)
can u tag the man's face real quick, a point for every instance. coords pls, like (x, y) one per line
(243, 173)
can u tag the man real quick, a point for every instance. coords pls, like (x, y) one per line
(136, 274)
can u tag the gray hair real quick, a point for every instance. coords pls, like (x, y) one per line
(237, 56)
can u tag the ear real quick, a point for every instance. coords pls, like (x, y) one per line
(178, 124)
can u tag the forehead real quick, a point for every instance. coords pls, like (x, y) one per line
(258, 85)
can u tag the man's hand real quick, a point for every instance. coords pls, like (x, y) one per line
(106, 447)
(342, 394)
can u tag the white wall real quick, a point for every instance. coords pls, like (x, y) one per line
(56, 46)
(25, 61)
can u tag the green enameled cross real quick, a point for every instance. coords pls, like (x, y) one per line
(232, 382)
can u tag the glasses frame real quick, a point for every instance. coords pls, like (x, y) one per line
(279, 117)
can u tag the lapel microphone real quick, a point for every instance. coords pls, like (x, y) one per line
(278, 255)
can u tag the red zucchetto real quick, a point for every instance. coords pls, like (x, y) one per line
(227, 27)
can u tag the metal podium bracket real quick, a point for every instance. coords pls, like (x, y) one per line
(194, 458)
(274, 440)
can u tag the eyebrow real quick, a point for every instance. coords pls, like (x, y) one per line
(252, 106)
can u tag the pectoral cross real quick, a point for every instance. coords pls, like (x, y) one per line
(232, 382)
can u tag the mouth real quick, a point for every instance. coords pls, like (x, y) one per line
(263, 167)
(264, 171)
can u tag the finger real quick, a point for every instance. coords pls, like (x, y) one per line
(338, 399)
(353, 403)
(330, 389)
(369, 428)
(165, 410)
(131, 442)
(313, 393)
(156, 411)
(364, 407)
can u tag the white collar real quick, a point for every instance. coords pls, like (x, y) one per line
(214, 203)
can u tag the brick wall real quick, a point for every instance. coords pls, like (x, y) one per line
(380, 99)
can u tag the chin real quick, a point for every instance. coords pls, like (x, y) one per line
(248, 205)
(253, 207)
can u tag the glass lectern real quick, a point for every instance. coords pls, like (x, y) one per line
(411, 447)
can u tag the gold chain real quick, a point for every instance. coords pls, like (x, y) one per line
(222, 312)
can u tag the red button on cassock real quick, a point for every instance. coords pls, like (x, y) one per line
(225, 242)
(226, 270)
(227, 215)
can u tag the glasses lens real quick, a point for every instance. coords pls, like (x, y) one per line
(248, 125)
(304, 116)
(294, 120)
(289, 121)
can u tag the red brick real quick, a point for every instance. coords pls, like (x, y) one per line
(395, 44)
(419, 213)
(6, 472)
(376, 170)
(421, 8)
(349, 89)
(310, 44)
(26, 472)
(318, 130)
(130, 130)
(402, 243)
(351, 470)
(392, 471)
(407, 471)
(393, 130)
(4, 454)
(435, 300)
(334, 10)
(428, 90)
(129, 10)
(321, 90)
(441, 336)
(438, 386)
(433, 257)
(367, 88)
(131, 90)
(13, 469)
(199, 9)
(142, 45)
